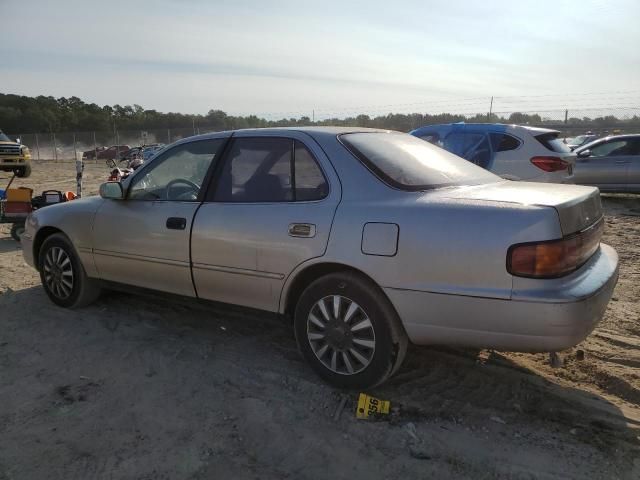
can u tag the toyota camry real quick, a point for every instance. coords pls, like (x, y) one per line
(367, 239)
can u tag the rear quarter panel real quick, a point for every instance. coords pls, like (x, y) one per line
(444, 246)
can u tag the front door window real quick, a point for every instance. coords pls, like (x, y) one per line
(178, 174)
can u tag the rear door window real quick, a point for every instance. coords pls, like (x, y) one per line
(257, 170)
(501, 142)
(270, 170)
(461, 143)
(470, 146)
(310, 183)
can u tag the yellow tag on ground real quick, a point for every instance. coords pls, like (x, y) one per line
(370, 406)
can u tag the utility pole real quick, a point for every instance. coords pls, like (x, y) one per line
(95, 147)
(490, 108)
(566, 116)
(55, 148)
(313, 116)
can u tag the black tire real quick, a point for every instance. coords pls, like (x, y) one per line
(23, 172)
(384, 326)
(17, 229)
(82, 291)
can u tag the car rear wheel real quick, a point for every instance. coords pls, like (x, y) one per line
(23, 172)
(63, 276)
(348, 331)
(17, 229)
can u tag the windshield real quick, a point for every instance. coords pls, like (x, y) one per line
(579, 140)
(4, 138)
(409, 163)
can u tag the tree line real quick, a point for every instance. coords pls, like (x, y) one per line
(41, 114)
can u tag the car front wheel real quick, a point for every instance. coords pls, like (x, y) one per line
(62, 274)
(348, 331)
(23, 172)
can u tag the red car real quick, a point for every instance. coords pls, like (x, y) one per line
(104, 153)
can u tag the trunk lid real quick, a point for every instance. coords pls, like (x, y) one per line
(578, 207)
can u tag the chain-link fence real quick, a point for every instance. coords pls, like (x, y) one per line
(101, 145)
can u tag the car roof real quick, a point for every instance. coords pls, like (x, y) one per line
(480, 127)
(315, 132)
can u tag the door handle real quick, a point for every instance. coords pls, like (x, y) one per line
(176, 223)
(306, 230)
(621, 162)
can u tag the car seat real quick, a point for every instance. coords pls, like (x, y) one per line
(264, 188)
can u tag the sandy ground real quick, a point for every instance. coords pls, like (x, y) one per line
(147, 388)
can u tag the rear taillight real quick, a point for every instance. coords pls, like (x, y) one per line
(554, 258)
(550, 164)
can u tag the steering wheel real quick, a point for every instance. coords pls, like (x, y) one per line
(194, 187)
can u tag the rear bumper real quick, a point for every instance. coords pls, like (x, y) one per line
(554, 177)
(542, 315)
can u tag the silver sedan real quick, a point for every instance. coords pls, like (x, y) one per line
(368, 239)
(612, 164)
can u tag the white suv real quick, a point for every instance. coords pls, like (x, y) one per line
(512, 151)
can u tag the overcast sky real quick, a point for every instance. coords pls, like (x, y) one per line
(286, 58)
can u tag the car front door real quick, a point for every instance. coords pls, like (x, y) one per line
(633, 170)
(270, 210)
(143, 240)
(606, 166)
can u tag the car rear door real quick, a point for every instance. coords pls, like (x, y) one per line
(143, 240)
(606, 166)
(270, 209)
(470, 145)
(508, 159)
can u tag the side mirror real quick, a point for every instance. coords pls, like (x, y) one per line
(112, 190)
(584, 153)
(18, 140)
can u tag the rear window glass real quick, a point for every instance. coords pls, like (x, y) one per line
(552, 142)
(409, 163)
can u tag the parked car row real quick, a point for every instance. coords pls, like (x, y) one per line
(539, 155)
(105, 153)
(122, 152)
(144, 152)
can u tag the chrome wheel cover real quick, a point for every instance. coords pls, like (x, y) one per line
(58, 272)
(341, 335)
